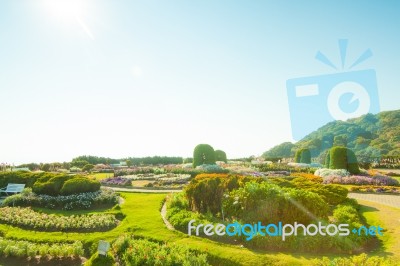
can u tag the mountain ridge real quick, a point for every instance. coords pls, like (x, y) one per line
(369, 136)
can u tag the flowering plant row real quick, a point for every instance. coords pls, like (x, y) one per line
(163, 179)
(324, 172)
(131, 251)
(27, 218)
(71, 202)
(362, 180)
(17, 248)
(116, 181)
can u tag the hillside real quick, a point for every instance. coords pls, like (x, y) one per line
(369, 136)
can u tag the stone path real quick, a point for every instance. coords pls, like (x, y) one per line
(164, 216)
(385, 199)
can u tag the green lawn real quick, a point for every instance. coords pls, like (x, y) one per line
(143, 219)
(100, 176)
(388, 218)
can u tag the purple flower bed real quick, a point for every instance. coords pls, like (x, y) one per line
(362, 180)
(116, 181)
(277, 173)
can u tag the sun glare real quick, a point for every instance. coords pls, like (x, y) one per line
(65, 9)
(69, 12)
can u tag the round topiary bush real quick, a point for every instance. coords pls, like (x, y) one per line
(80, 185)
(220, 156)
(343, 158)
(203, 154)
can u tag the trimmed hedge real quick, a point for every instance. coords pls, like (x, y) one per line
(303, 156)
(50, 186)
(205, 192)
(22, 177)
(220, 156)
(342, 158)
(79, 185)
(203, 154)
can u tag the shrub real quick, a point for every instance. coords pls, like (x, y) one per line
(143, 252)
(269, 203)
(303, 156)
(79, 185)
(71, 202)
(203, 154)
(205, 192)
(20, 248)
(220, 156)
(343, 158)
(27, 218)
(311, 177)
(22, 177)
(50, 185)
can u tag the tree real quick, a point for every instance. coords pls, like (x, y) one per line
(220, 156)
(283, 150)
(45, 167)
(128, 163)
(340, 140)
(88, 167)
(188, 160)
(79, 163)
(203, 154)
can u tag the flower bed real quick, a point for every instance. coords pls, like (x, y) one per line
(131, 251)
(362, 180)
(116, 181)
(71, 202)
(160, 180)
(324, 172)
(17, 248)
(27, 218)
(377, 189)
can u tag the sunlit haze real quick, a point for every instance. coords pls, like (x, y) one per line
(140, 78)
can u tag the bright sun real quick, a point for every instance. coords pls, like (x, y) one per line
(67, 10)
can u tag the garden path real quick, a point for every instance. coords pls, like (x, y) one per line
(164, 217)
(385, 199)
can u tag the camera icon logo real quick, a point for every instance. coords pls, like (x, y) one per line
(314, 101)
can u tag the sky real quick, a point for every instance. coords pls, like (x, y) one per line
(141, 78)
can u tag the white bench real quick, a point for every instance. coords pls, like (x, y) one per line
(12, 188)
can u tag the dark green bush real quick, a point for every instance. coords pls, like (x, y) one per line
(343, 158)
(220, 156)
(269, 203)
(50, 185)
(303, 156)
(205, 192)
(79, 185)
(19, 177)
(203, 154)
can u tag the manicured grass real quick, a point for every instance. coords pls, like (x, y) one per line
(100, 176)
(388, 218)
